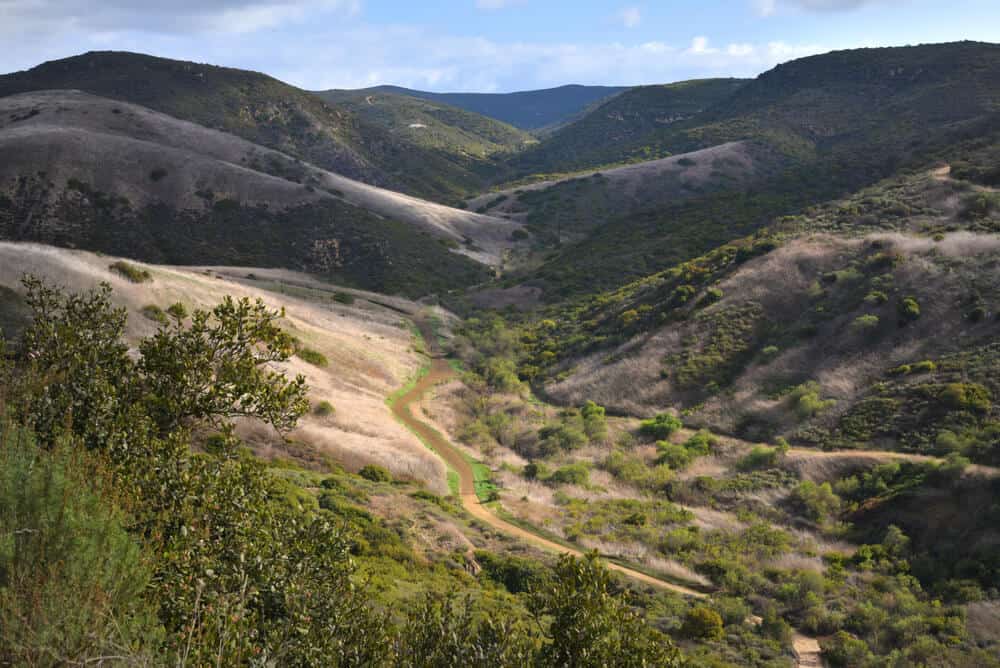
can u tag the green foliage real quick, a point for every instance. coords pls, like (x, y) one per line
(375, 473)
(594, 423)
(571, 474)
(155, 313)
(702, 623)
(908, 310)
(660, 427)
(816, 502)
(760, 457)
(323, 409)
(343, 298)
(560, 437)
(314, 357)
(865, 323)
(216, 368)
(966, 396)
(177, 310)
(71, 577)
(806, 401)
(591, 627)
(131, 272)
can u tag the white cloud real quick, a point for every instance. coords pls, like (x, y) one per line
(699, 45)
(173, 17)
(769, 7)
(631, 17)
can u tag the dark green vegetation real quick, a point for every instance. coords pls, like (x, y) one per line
(528, 110)
(624, 120)
(328, 237)
(118, 539)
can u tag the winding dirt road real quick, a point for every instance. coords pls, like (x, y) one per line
(807, 649)
(440, 372)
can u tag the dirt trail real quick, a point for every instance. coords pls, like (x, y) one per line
(440, 372)
(807, 649)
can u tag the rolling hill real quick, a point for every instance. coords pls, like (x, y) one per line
(528, 110)
(262, 110)
(831, 124)
(89, 172)
(595, 138)
(433, 125)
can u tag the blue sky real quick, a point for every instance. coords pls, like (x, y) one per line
(483, 45)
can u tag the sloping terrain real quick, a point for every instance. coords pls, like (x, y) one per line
(528, 110)
(91, 172)
(568, 208)
(880, 332)
(262, 110)
(628, 118)
(433, 125)
(368, 345)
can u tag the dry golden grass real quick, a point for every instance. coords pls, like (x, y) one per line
(370, 354)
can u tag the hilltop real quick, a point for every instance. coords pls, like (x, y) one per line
(528, 110)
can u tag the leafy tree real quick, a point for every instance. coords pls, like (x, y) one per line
(593, 627)
(444, 633)
(219, 368)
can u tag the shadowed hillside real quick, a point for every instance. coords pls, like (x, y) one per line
(261, 109)
(83, 171)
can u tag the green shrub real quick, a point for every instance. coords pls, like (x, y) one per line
(535, 471)
(966, 396)
(71, 578)
(926, 366)
(343, 298)
(876, 298)
(702, 623)
(571, 474)
(760, 457)
(660, 427)
(595, 424)
(375, 473)
(806, 401)
(560, 437)
(323, 409)
(908, 310)
(155, 313)
(674, 455)
(816, 502)
(770, 352)
(314, 357)
(865, 323)
(131, 272)
(177, 310)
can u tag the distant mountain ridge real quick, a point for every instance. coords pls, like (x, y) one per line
(528, 110)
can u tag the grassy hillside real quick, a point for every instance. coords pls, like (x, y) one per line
(833, 124)
(528, 110)
(852, 325)
(261, 109)
(606, 133)
(433, 125)
(87, 172)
